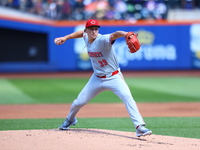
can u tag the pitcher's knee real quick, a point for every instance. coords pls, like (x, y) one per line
(78, 103)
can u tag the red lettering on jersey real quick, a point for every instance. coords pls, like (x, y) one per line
(95, 54)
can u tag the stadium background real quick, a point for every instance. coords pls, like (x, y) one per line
(169, 44)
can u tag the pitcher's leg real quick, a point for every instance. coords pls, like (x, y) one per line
(121, 89)
(131, 106)
(91, 89)
(125, 95)
(133, 111)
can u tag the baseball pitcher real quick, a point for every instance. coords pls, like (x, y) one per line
(107, 74)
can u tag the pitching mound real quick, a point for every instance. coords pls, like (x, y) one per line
(90, 139)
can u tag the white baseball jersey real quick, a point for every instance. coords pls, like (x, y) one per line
(102, 56)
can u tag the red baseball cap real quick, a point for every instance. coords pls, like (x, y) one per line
(92, 23)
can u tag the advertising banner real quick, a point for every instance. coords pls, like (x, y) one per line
(165, 47)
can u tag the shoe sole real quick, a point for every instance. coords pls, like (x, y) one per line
(63, 128)
(144, 134)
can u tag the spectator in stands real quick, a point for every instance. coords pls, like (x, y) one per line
(110, 15)
(151, 7)
(161, 11)
(97, 9)
(102, 8)
(90, 9)
(120, 9)
(65, 10)
(15, 4)
(29, 6)
(52, 10)
(78, 9)
(188, 4)
(38, 7)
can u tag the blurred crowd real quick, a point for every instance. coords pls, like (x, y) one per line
(99, 9)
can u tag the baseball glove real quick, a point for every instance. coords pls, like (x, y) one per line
(132, 42)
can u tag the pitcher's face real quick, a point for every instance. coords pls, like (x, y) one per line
(92, 33)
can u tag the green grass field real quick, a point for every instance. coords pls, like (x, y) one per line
(152, 89)
(163, 89)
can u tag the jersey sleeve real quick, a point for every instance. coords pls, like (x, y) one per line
(108, 38)
(111, 41)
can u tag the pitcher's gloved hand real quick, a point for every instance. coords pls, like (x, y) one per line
(132, 42)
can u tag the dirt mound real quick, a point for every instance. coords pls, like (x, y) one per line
(90, 139)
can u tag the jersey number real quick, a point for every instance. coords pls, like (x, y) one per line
(103, 62)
